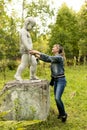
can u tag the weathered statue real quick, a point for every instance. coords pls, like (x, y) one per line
(26, 45)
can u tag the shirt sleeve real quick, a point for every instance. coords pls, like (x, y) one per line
(47, 58)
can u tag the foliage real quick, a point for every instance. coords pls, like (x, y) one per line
(41, 10)
(69, 29)
(8, 35)
(82, 20)
(12, 64)
(65, 31)
(74, 97)
(2, 114)
(42, 43)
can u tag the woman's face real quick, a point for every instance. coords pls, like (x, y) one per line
(55, 49)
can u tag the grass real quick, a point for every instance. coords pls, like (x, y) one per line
(74, 98)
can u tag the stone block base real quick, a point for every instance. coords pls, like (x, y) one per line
(29, 100)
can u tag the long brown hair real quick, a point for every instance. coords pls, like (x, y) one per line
(61, 50)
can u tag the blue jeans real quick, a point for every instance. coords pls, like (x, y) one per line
(59, 86)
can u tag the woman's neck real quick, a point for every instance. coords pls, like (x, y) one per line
(56, 53)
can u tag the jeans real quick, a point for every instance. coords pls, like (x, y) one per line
(59, 86)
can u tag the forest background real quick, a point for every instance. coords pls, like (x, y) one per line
(69, 29)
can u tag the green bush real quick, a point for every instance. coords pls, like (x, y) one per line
(12, 65)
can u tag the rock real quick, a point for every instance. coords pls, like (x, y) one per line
(28, 100)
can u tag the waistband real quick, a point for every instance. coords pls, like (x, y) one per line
(58, 76)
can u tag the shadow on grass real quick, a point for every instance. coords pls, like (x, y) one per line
(52, 123)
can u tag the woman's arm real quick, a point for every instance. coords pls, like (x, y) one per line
(40, 55)
(46, 58)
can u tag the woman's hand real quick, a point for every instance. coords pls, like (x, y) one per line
(34, 52)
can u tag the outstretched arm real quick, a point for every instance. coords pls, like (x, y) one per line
(40, 55)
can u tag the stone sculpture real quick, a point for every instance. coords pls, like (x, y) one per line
(26, 45)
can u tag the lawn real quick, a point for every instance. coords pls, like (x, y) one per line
(74, 98)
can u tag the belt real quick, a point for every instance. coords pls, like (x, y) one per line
(59, 76)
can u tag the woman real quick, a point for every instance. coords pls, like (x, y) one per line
(57, 74)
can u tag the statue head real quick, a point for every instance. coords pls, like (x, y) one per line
(29, 23)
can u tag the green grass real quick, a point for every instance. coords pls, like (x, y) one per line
(74, 98)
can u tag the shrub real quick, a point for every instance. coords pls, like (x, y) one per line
(12, 65)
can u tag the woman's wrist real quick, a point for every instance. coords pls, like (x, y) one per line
(38, 52)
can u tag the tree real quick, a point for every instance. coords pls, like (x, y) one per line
(8, 34)
(65, 31)
(82, 20)
(41, 10)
